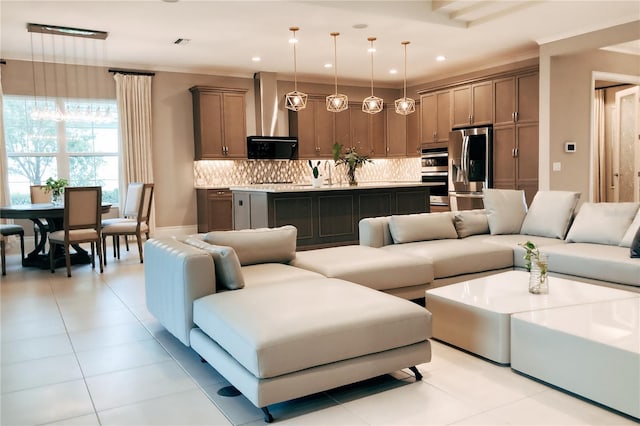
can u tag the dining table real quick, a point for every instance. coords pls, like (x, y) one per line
(53, 215)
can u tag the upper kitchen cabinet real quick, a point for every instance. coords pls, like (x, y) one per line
(314, 127)
(367, 131)
(403, 133)
(516, 99)
(414, 144)
(472, 105)
(219, 122)
(435, 116)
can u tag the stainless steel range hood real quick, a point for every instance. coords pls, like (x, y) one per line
(266, 92)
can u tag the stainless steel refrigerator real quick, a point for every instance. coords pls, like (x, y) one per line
(470, 166)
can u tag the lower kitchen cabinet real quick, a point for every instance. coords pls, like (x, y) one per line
(215, 209)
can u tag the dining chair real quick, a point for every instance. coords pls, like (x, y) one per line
(5, 231)
(126, 226)
(129, 212)
(82, 213)
(40, 195)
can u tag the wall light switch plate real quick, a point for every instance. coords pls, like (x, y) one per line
(557, 166)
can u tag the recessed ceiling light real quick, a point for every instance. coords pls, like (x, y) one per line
(360, 26)
(441, 58)
(256, 59)
(328, 65)
(393, 71)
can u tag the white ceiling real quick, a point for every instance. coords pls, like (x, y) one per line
(225, 35)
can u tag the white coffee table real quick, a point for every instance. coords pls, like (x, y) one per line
(475, 315)
(592, 350)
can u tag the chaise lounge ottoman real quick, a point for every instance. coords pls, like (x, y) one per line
(285, 340)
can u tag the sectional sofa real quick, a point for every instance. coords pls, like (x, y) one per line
(280, 323)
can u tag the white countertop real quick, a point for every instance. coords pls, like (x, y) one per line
(303, 187)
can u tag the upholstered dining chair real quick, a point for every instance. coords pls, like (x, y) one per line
(126, 226)
(5, 231)
(40, 195)
(82, 213)
(129, 212)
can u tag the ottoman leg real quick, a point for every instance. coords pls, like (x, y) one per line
(417, 373)
(268, 418)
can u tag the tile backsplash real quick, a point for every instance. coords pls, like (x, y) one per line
(224, 173)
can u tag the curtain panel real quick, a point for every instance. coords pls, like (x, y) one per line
(133, 94)
(599, 149)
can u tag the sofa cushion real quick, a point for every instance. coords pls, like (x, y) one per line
(261, 245)
(268, 273)
(372, 267)
(513, 241)
(471, 222)
(290, 326)
(457, 256)
(602, 223)
(227, 267)
(631, 231)
(594, 261)
(407, 228)
(506, 209)
(550, 214)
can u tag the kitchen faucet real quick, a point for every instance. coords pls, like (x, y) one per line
(326, 163)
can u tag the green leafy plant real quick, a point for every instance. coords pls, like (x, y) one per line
(531, 253)
(351, 158)
(314, 169)
(56, 186)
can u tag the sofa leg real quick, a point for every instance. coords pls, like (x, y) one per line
(417, 373)
(268, 418)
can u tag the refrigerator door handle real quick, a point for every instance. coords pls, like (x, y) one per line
(465, 159)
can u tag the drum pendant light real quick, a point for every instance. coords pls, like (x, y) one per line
(336, 102)
(295, 101)
(372, 104)
(404, 105)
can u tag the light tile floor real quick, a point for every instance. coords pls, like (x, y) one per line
(85, 351)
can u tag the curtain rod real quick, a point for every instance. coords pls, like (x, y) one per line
(131, 72)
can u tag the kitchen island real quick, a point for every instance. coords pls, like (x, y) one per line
(325, 216)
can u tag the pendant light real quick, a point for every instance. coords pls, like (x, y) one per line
(404, 105)
(336, 102)
(295, 101)
(372, 104)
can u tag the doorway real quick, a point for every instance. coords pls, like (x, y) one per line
(626, 147)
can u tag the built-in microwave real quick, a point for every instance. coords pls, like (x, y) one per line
(272, 148)
(434, 169)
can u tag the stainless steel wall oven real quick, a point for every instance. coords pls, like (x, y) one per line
(435, 162)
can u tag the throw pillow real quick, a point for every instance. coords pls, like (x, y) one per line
(602, 223)
(628, 236)
(506, 209)
(227, 265)
(263, 245)
(550, 214)
(634, 250)
(471, 222)
(421, 227)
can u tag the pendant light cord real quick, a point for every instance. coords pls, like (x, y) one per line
(335, 60)
(371, 39)
(295, 61)
(405, 67)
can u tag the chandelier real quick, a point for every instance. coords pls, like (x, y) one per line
(295, 101)
(404, 105)
(336, 102)
(372, 104)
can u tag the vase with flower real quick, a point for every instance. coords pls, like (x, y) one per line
(352, 159)
(56, 188)
(538, 266)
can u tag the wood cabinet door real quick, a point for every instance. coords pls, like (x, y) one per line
(396, 133)
(482, 103)
(504, 163)
(504, 96)
(235, 128)
(443, 122)
(428, 117)
(527, 158)
(359, 125)
(302, 125)
(342, 123)
(324, 129)
(208, 128)
(461, 106)
(377, 134)
(528, 95)
(215, 210)
(413, 132)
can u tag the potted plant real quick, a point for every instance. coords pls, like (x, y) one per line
(316, 180)
(538, 266)
(351, 158)
(56, 187)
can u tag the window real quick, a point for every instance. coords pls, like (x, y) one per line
(81, 147)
